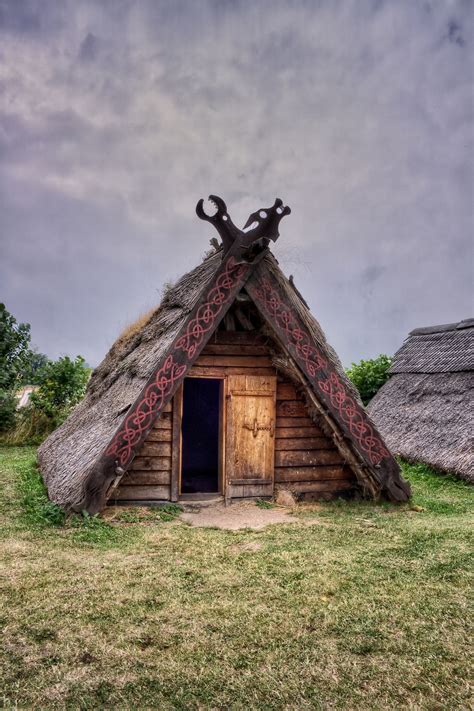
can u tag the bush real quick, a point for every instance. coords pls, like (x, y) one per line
(7, 410)
(369, 375)
(62, 385)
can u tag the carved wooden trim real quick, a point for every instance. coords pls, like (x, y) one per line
(352, 419)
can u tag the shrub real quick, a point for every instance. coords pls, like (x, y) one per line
(7, 410)
(62, 385)
(369, 375)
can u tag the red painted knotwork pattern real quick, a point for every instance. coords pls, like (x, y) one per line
(331, 387)
(206, 314)
(300, 340)
(143, 415)
(157, 393)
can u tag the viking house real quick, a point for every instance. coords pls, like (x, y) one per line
(425, 411)
(228, 388)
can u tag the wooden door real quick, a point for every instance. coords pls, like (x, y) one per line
(250, 435)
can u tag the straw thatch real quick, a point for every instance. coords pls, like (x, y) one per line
(426, 410)
(69, 457)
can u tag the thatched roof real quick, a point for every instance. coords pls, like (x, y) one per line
(69, 454)
(70, 459)
(426, 410)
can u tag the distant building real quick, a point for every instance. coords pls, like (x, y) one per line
(23, 395)
(425, 411)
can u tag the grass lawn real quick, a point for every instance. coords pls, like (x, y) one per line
(365, 609)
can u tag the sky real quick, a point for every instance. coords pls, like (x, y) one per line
(116, 116)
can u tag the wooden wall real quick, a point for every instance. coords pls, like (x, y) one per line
(306, 461)
(149, 477)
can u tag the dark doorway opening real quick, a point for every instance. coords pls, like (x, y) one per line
(200, 435)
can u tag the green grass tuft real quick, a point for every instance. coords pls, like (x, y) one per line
(262, 504)
(38, 510)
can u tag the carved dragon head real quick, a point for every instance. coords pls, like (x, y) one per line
(260, 228)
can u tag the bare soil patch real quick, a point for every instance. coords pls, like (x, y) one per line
(245, 514)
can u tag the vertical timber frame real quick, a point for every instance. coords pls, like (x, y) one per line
(177, 439)
(176, 443)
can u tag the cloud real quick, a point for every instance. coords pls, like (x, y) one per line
(119, 116)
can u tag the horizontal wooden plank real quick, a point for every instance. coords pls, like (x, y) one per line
(146, 478)
(212, 372)
(151, 464)
(236, 349)
(237, 361)
(304, 443)
(287, 391)
(322, 473)
(248, 492)
(163, 422)
(310, 486)
(155, 449)
(293, 422)
(156, 435)
(143, 493)
(296, 432)
(249, 482)
(307, 458)
(248, 337)
(291, 408)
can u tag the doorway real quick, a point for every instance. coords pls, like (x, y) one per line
(200, 435)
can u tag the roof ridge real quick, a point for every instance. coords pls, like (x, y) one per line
(440, 328)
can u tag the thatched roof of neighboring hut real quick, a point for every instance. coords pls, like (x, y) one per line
(426, 410)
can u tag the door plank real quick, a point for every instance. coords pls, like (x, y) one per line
(250, 399)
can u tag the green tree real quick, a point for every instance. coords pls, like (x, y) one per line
(14, 352)
(62, 385)
(34, 363)
(369, 375)
(14, 349)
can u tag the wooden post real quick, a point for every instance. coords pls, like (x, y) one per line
(176, 443)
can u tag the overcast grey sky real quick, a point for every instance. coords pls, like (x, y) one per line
(117, 116)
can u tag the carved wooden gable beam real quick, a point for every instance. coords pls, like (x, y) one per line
(293, 335)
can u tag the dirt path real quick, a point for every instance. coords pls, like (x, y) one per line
(245, 514)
